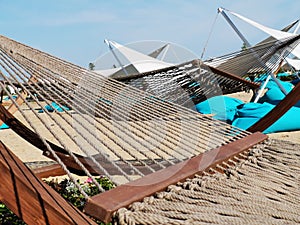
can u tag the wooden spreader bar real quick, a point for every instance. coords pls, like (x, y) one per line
(250, 84)
(103, 206)
(48, 171)
(30, 198)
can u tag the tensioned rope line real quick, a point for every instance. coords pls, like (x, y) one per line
(72, 66)
(255, 60)
(124, 133)
(133, 168)
(261, 188)
(141, 110)
(45, 122)
(209, 36)
(52, 151)
(179, 84)
(110, 82)
(184, 85)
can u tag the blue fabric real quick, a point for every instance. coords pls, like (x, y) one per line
(274, 94)
(251, 109)
(287, 85)
(222, 107)
(261, 78)
(295, 82)
(250, 113)
(4, 126)
(50, 108)
(7, 98)
(283, 74)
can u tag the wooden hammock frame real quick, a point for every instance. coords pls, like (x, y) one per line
(28, 197)
(104, 205)
(278, 111)
(34, 202)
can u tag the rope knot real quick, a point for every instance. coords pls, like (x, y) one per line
(232, 173)
(252, 159)
(136, 206)
(256, 152)
(122, 216)
(149, 200)
(162, 195)
(190, 186)
(174, 188)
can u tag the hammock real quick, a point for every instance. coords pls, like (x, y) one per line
(273, 32)
(111, 129)
(280, 34)
(263, 188)
(195, 81)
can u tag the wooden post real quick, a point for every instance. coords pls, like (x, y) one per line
(278, 111)
(30, 198)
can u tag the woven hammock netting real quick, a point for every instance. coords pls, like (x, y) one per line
(104, 126)
(261, 188)
(194, 81)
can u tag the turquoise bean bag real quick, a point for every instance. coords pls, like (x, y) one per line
(4, 126)
(248, 114)
(274, 95)
(50, 108)
(223, 108)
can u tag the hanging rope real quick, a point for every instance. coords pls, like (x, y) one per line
(121, 131)
(209, 36)
(192, 82)
(262, 188)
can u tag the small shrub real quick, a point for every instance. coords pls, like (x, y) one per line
(7, 217)
(68, 191)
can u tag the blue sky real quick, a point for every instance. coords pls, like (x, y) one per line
(75, 29)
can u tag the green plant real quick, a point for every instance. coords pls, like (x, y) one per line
(91, 66)
(8, 217)
(68, 190)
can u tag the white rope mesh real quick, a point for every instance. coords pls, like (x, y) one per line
(121, 130)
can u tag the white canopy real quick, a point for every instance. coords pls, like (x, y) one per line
(141, 62)
(273, 32)
(294, 63)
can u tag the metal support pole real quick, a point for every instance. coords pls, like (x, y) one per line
(221, 10)
(113, 52)
(297, 28)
